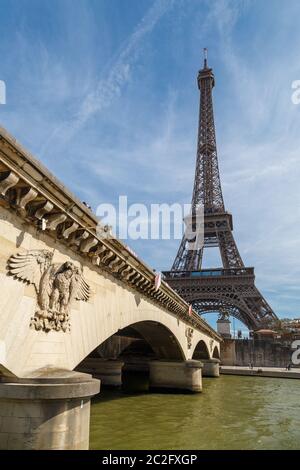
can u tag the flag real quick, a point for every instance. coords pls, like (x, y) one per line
(190, 310)
(157, 281)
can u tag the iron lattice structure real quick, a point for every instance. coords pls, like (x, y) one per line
(230, 289)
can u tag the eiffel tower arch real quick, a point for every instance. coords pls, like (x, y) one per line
(231, 288)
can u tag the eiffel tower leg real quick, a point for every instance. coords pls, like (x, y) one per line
(177, 265)
(194, 258)
(230, 255)
(260, 308)
(187, 260)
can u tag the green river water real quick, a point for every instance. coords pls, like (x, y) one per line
(231, 413)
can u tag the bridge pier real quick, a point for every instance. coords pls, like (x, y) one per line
(211, 367)
(46, 412)
(109, 372)
(183, 375)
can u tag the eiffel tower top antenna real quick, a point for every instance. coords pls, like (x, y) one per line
(205, 57)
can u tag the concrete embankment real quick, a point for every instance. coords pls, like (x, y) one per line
(261, 372)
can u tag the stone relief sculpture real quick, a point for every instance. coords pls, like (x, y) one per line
(57, 286)
(189, 336)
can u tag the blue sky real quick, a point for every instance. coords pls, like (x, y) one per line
(104, 93)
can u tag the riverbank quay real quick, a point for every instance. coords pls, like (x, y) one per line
(274, 372)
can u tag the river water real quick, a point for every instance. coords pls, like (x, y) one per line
(231, 413)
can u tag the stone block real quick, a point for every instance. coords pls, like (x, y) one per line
(183, 375)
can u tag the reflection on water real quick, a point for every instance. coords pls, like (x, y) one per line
(231, 413)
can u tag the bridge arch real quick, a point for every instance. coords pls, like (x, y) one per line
(161, 339)
(201, 351)
(160, 331)
(216, 353)
(160, 342)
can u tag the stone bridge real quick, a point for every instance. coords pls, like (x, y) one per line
(77, 306)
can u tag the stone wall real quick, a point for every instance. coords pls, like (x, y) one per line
(228, 352)
(259, 352)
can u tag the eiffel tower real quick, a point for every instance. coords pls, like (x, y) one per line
(229, 290)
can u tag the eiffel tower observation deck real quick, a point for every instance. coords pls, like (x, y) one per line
(230, 289)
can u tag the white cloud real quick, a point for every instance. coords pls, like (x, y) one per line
(110, 86)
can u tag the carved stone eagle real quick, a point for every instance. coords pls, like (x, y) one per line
(56, 285)
(189, 336)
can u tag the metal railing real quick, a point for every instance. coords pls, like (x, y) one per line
(209, 273)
